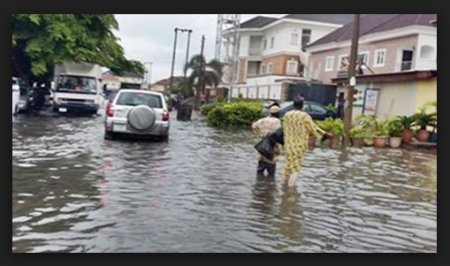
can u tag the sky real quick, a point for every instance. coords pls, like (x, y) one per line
(150, 38)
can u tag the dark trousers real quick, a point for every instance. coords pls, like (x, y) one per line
(262, 165)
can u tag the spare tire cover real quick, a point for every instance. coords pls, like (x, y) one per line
(141, 117)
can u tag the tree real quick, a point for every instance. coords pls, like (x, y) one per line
(203, 74)
(39, 41)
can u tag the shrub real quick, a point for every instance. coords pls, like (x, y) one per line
(357, 132)
(334, 126)
(209, 107)
(240, 113)
(407, 121)
(395, 128)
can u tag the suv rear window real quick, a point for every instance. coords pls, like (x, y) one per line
(136, 98)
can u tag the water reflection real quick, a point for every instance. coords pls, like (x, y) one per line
(75, 192)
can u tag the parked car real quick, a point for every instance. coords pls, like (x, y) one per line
(137, 113)
(316, 110)
(267, 103)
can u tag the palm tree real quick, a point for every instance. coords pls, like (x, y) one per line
(202, 74)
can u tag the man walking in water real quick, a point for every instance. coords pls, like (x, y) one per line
(261, 129)
(297, 127)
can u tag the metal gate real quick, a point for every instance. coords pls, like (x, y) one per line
(320, 93)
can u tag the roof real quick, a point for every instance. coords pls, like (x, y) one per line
(127, 74)
(257, 22)
(373, 23)
(327, 18)
(166, 81)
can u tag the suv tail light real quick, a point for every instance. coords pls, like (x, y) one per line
(109, 109)
(165, 115)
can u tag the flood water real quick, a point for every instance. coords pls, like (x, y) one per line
(73, 191)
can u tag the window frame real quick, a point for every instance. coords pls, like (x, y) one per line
(327, 67)
(295, 67)
(269, 68)
(294, 41)
(375, 58)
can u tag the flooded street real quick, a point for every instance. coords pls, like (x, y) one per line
(73, 191)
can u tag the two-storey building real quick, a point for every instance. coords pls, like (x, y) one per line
(272, 51)
(397, 61)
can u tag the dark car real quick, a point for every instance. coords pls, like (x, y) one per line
(316, 110)
(267, 103)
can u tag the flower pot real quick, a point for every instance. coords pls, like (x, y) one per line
(380, 142)
(311, 143)
(423, 135)
(395, 142)
(357, 142)
(433, 137)
(335, 141)
(406, 135)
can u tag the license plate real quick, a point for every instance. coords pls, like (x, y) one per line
(63, 110)
(121, 128)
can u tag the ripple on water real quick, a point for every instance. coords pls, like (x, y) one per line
(199, 193)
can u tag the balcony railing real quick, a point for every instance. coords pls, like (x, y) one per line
(254, 52)
(406, 65)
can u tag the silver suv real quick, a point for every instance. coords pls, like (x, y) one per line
(137, 112)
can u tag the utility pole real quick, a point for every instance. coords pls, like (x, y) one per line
(173, 59)
(352, 81)
(202, 79)
(203, 44)
(187, 51)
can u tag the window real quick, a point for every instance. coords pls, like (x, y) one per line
(364, 58)
(265, 44)
(407, 59)
(76, 84)
(343, 62)
(272, 41)
(380, 58)
(269, 68)
(294, 38)
(263, 69)
(134, 99)
(306, 37)
(292, 67)
(329, 63)
(317, 109)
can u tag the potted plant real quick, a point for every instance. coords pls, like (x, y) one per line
(433, 106)
(357, 134)
(433, 135)
(381, 135)
(333, 126)
(423, 120)
(407, 122)
(337, 129)
(395, 130)
(368, 123)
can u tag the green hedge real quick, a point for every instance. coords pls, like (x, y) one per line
(209, 107)
(241, 113)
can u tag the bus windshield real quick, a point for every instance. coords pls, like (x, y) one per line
(77, 84)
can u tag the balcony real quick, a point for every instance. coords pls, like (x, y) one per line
(406, 65)
(254, 51)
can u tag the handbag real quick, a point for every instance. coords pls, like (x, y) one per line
(266, 147)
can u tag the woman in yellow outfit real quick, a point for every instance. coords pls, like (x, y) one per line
(297, 127)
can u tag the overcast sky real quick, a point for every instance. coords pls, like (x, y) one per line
(149, 38)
